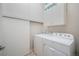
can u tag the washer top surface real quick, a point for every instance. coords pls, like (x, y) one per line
(56, 37)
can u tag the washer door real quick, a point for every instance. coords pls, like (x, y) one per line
(48, 51)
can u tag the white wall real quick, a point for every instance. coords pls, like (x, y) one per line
(55, 15)
(36, 12)
(0, 20)
(27, 11)
(35, 28)
(1, 38)
(73, 22)
(18, 10)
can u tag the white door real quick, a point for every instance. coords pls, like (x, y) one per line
(16, 37)
(49, 51)
(1, 39)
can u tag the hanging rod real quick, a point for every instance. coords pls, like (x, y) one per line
(21, 19)
(15, 18)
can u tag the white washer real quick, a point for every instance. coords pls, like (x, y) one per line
(57, 44)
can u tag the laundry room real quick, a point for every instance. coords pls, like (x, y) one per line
(39, 29)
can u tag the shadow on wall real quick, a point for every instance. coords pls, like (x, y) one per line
(73, 23)
(59, 28)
